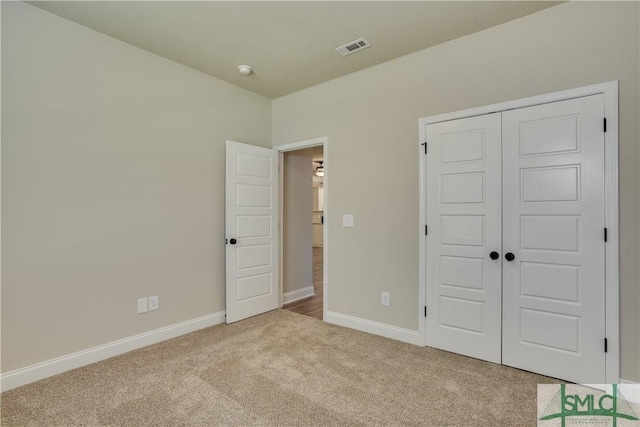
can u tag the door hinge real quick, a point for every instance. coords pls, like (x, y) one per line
(605, 234)
(426, 230)
(605, 124)
(425, 147)
(606, 345)
(425, 311)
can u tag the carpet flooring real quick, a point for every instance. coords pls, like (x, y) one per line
(280, 368)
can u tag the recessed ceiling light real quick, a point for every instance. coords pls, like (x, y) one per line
(245, 70)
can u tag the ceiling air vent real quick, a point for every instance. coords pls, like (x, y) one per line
(353, 46)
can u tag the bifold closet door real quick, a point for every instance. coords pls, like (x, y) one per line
(464, 228)
(553, 225)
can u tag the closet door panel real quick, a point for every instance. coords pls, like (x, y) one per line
(464, 227)
(553, 223)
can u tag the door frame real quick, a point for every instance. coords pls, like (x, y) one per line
(281, 149)
(612, 266)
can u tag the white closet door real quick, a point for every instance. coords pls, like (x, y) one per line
(554, 288)
(464, 227)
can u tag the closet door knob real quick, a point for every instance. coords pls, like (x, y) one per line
(509, 256)
(494, 255)
(233, 241)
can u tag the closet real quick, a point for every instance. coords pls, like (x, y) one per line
(515, 238)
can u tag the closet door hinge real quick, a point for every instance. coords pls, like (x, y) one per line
(425, 311)
(604, 125)
(605, 345)
(605, 234)
(426, 230)
(425, 147)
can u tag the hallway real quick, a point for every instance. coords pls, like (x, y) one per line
(311, 306)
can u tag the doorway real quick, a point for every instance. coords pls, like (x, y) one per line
(303, 231)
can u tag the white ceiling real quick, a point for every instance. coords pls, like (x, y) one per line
(290, 44)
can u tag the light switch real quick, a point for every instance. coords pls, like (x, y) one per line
(347, 220)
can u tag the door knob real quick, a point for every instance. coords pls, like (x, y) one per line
(509, 256)
(494, 255)
(233, 241)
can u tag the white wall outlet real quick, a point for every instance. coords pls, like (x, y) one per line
(154, 303)
(142, 305)
(347, 220)
(385, 299)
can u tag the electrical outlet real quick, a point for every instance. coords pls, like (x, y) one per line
(386, 299)
(142, 305)
(154, 303)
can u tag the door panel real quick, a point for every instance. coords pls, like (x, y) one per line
(463, 216)
(251, 219)
(553, 219)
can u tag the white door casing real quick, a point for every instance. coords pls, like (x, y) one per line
(251, 220)
(553, 223)
(464, 227)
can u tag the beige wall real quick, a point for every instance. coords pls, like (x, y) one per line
(113, 169)
(112, 186)
(371, 117)
(298, 231)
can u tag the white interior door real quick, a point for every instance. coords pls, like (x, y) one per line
(251, 224)
(554, 288)
(464, 228)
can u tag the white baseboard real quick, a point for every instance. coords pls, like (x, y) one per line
(630, 390)
(298, 294)
(39, 371)
(388, 331)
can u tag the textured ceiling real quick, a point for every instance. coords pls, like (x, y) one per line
(290, 45)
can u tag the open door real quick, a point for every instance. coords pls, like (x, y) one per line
(251, 224)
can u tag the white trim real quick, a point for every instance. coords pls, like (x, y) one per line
(376, 328)
(630, 390)
(42, 370)
(324, 141)
(607, 88)
(612, 265)
(298, 294)
(612, 305)
(281, 227)
(422, 223)
(307, 143)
